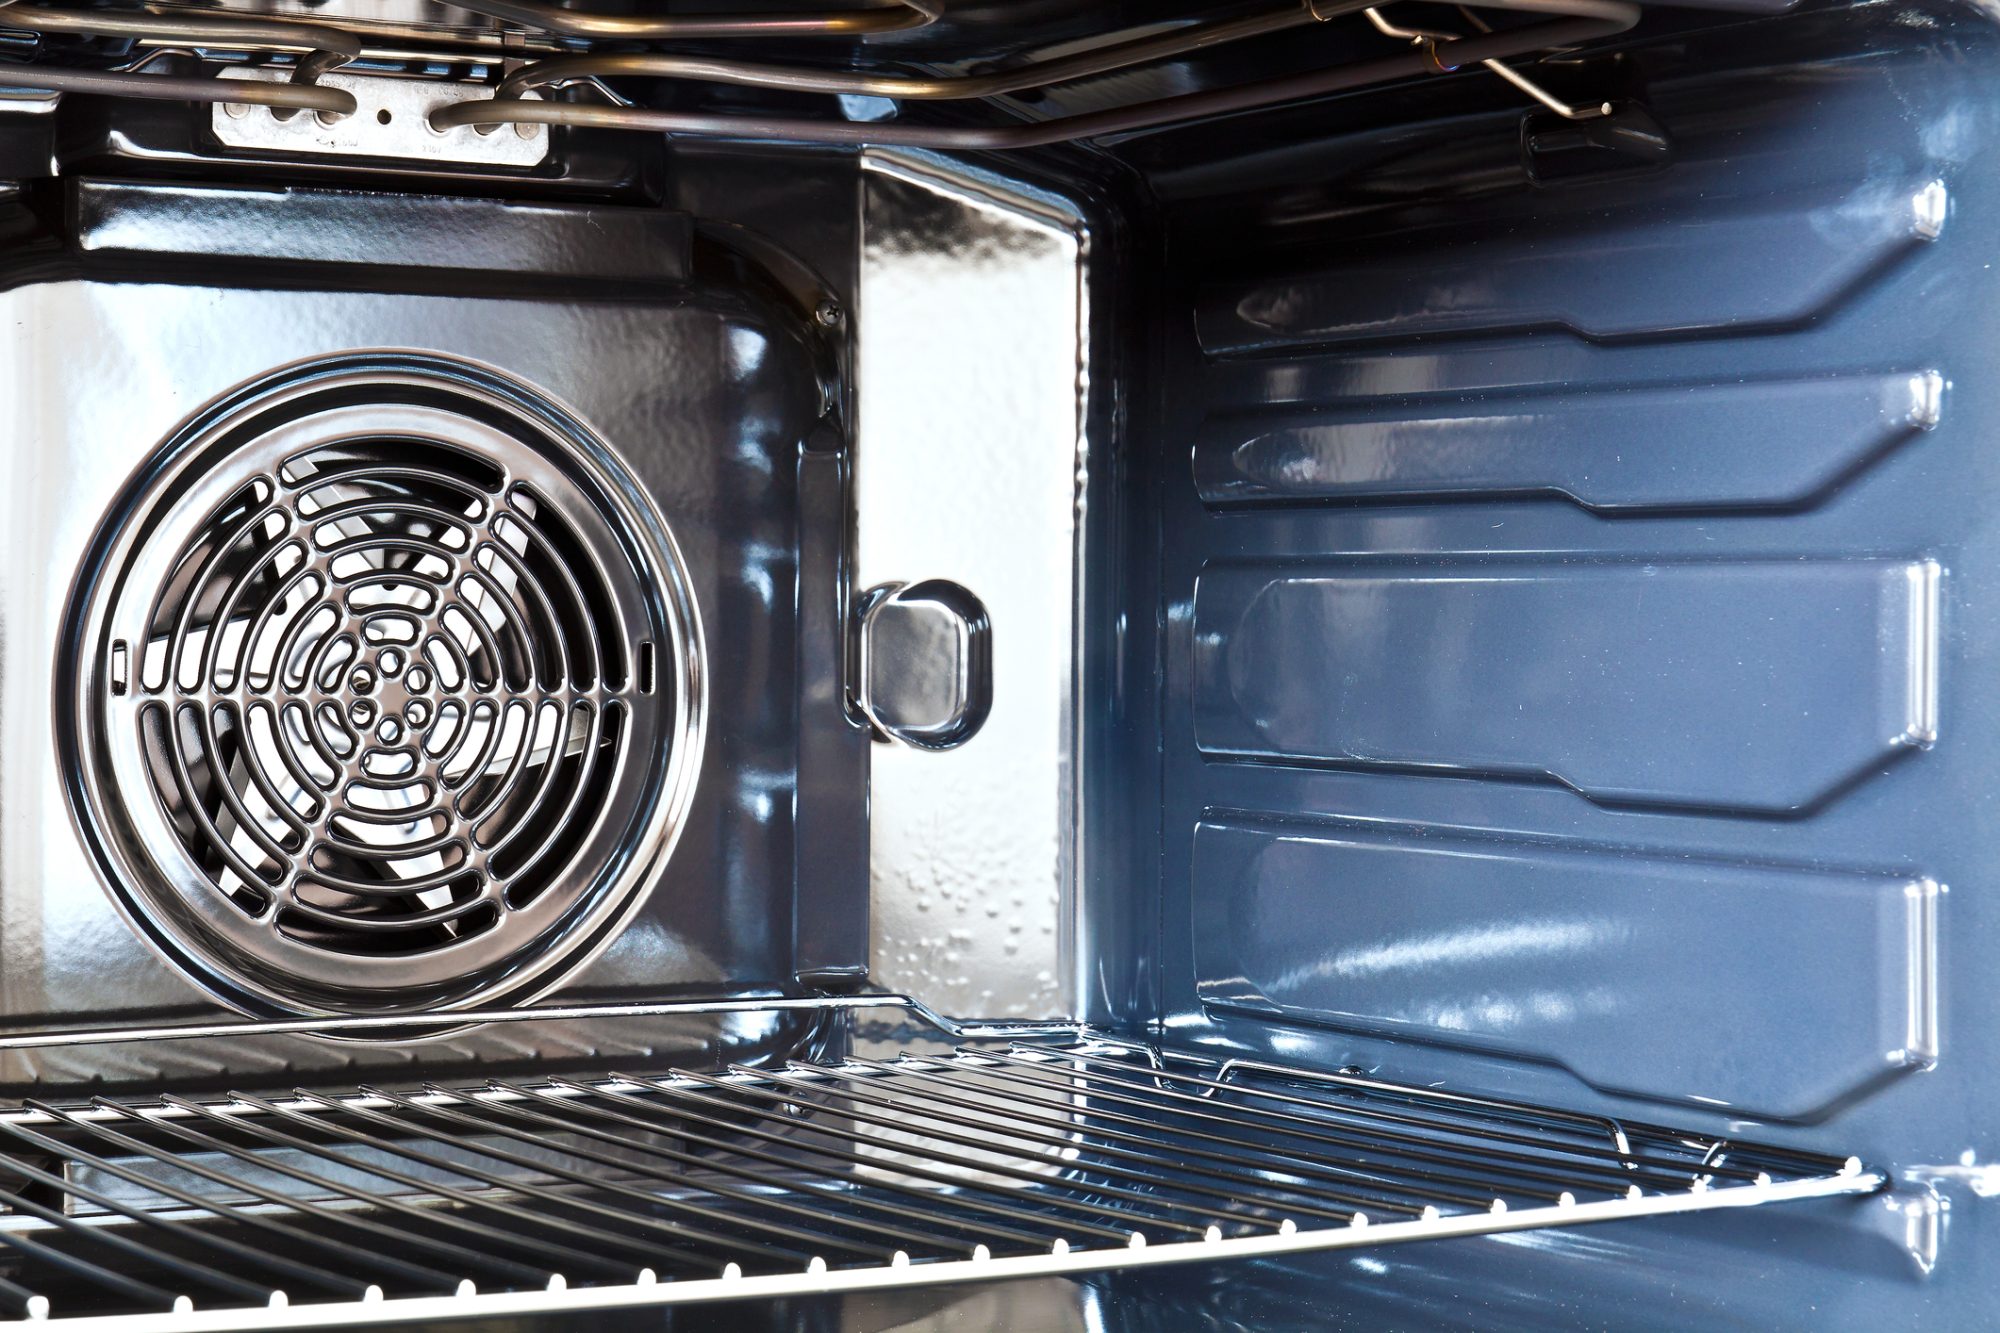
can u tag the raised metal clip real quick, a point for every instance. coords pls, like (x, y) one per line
(1430, 40)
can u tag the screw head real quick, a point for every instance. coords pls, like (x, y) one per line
(828, 314)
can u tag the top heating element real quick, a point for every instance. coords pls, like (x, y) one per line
(386, 693)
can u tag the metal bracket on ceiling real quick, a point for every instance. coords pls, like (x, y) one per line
(1431, 40)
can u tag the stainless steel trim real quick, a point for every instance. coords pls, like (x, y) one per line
(972, 319)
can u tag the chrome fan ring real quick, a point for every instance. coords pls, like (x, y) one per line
(384, 694)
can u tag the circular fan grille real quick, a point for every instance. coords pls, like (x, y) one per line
(386, 696)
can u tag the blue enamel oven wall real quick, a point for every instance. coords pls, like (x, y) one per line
(1576, 613)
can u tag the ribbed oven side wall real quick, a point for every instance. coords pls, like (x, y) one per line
(1576, 601)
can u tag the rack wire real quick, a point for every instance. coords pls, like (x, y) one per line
(998, 1158)
(1558, 24)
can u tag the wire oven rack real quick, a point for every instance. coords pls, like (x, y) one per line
(1062, 1154)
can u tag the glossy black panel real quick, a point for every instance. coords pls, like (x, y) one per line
(381, 231)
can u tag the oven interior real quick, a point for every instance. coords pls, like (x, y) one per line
(998, 664)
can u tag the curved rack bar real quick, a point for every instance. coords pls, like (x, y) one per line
(232, 33)
(321, 49)
(174, 88)
(1587, 19)
(994, 83)
(898, 17)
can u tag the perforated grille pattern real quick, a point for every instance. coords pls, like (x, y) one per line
(380, 688)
